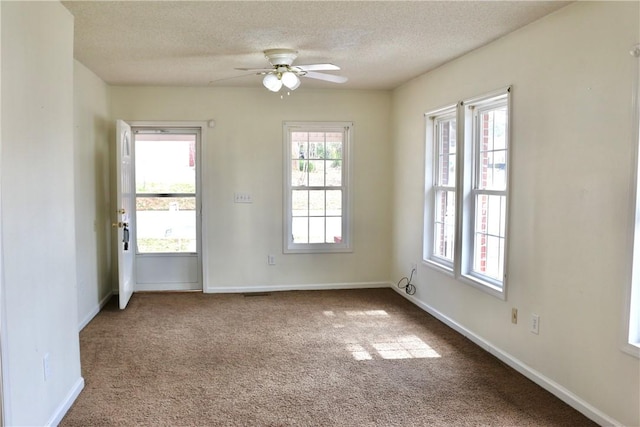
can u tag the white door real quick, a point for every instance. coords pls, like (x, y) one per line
(125, 197)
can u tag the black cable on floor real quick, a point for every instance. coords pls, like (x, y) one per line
(409, 288)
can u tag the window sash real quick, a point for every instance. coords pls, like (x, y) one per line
(488, 236)
(444, 225)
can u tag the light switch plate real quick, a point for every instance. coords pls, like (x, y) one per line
(242, 198)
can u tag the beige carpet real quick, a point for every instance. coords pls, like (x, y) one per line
(315, 358)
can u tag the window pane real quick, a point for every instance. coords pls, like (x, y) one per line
(492, 149)
(165, 163)
(503, 216)
(488, 256)
(334, 202)
(444, 224)
(299, 145)
(316, 137)
(166, 224)
(316, 173)
(492, 173)
(334, 173)
(334, 230)
(495, 214)
(446, 153)
(316, 203)
(300, 203)
(300, 229)
(334, 146)
(490, 214)
(316, 230)
(500, 128)
(490, 223)
(299, 176)
(480, 253)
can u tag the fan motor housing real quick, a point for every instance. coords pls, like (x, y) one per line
(280, 56)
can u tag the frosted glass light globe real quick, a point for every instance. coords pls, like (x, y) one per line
(290, 80)
(272, 82)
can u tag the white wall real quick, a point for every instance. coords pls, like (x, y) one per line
(243, 153)
(38, 212)
(571, 166)
(92, 191)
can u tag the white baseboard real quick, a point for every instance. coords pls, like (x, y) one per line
(309, 287)
(95, 311)
(164, 287)
(64, 407)
(551, 386)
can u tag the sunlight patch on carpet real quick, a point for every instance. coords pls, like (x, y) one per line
(376, 313)
(392, 348)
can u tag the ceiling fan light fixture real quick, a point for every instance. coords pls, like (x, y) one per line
(290, 80)
(272, 82)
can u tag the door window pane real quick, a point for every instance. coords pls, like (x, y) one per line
(166, 224)
(165, 164)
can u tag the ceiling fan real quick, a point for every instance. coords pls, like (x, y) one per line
(283, 73)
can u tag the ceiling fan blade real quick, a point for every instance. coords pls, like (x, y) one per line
(212, 82)
(317, 67)
(256, 70)
(326, 77)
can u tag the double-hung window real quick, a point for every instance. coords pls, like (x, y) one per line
(486, 204)
(466, 190)
(317, 187)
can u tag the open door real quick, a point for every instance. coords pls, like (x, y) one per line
(125, 209)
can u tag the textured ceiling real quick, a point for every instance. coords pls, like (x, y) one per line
(377, 44)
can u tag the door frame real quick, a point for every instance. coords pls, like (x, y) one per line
(202, 125)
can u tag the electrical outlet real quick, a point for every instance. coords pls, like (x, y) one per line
(535, 324)
(271, 260)
(46, 366)
(514, 316)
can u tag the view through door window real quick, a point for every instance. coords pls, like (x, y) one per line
(165, 169)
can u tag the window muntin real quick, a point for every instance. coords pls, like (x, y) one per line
(316, 187)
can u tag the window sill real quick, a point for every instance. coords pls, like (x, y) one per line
(442, 268)
(484, 286)
(632, 349)
(319, 250)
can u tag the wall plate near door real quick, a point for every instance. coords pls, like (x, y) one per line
(242, 198)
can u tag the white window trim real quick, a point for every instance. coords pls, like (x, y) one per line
(461, 267)
(631, 339)
(346, 245)
(431, 159)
